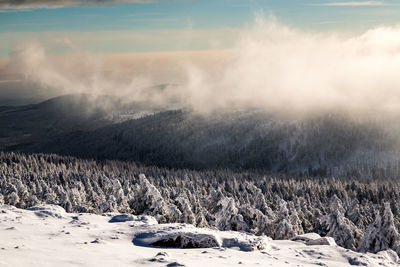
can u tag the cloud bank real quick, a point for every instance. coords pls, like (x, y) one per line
(272, 67)
(33, 4)
(284, 69)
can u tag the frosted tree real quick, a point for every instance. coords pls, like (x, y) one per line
(358, 214)
(13, 199)
(345, 233)
(284, 228)
(31, 201)
(21, 190)
(120, 198)
(201, 220)
(306, 217)
(183, 205)
(294, 219)
(258, 222)
(149, 201)
(381, 234)
(110, 205)
(225, 213)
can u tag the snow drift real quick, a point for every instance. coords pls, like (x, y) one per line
(83, 239)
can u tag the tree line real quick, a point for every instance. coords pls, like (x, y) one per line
(360, 214)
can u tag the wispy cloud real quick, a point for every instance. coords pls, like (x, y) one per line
(325, 22)
(124, 40)
(353, 3)
(34, 4)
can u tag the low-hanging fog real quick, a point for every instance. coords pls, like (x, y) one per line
(271, 66)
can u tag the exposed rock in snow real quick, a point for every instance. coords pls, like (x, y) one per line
(47, 210)
(133, 220)
(178, 240)
(323, 241)
(306, 237)
(357, 261)
(161, 257)
(121, 218)
(188, 236)
(248, 244)
(175, 264)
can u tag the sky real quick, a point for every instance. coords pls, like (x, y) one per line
(304, 54)
(118, 26)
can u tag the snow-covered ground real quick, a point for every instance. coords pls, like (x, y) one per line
(48, 236)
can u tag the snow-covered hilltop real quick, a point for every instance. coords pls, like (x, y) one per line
(359, 215)
(48, 236)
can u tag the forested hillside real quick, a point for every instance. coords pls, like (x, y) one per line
(360, 214)
(104, 128)
(24, 126)
(242, 140)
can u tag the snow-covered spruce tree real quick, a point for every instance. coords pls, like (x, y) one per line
(381, 234)
(201, 219)
(110, 205)
(13, 199)
(225, 213)
(119, 195)
(335, 225)
(294, 219)
(183, 205)
(257, 222)
(305, 215)
(149, 201)
(357, 214)
(284, 228)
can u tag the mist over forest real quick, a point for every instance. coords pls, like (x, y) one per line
(285, 134)
(280, 100)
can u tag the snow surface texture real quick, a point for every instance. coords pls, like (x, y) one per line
(48, 236)
(362, 216)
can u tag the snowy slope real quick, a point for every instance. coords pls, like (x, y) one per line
(48, 236)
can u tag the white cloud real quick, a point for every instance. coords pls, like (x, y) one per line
(284, 69)
(272, 66)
